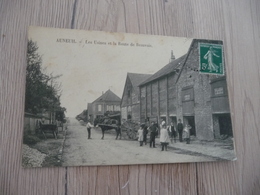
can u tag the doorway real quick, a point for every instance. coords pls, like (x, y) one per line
(173, 119)
(191, 121)
(225, 125)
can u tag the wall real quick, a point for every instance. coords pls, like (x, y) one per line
(130, 102)
(201, 103)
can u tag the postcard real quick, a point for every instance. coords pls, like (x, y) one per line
(104, 98)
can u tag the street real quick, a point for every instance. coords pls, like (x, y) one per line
(80, 151)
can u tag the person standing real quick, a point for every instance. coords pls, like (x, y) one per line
(187, 133)
(145, 133)
(164, 136)
(180, 129)
(89, 126)
(172, 132)
(141, 135)
(153, 133)
(118, 130)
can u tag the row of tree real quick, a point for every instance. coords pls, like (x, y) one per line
(43, 92)
(83, 116)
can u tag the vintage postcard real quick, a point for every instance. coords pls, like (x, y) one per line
(103, 98)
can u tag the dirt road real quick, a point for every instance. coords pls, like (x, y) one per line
(78, 150)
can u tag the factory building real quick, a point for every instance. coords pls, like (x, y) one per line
(180, 91)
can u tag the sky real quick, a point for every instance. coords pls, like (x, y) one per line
(91, 62)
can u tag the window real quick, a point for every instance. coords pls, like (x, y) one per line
(219, 91)
(109, 107)
(187, 94)
(186, 97)
(143, 92)
(218, 87)
(99, 108)
(116, 108)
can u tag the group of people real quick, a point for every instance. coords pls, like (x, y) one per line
(167, 133)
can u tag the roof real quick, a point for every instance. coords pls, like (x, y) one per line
(30, 115)
(108, 96)
(169, 68)
(136, 78)
(27, 114)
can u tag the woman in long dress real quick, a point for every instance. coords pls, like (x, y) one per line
(164, 136)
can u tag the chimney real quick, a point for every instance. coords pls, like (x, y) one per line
(172, 57)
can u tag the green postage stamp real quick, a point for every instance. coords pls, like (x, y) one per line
(211, 58)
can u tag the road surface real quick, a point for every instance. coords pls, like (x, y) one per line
(80, 151)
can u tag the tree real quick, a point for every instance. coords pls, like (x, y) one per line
(42, 91)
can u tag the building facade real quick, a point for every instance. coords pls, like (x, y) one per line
(130, 104)
(107, 102)
(179, 91)
(158, 94)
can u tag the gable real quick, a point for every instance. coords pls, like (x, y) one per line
(128, 86)
(108, 96)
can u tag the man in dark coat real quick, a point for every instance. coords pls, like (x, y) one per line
(145, 132)
(118, 130)
(180, 129)
(153, 130)
(172, 132)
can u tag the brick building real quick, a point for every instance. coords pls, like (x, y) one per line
(107, 102)
(130, 104)
(158, 93)
(179, 91)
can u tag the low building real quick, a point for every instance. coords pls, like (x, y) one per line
(107, 102)
(180, 91)
(130, 104)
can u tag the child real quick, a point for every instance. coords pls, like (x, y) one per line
(186, 135)
(164, 137)
(140, 135)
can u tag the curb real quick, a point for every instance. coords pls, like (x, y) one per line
(62, 145)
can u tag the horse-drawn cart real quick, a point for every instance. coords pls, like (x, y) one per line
(49, 128)
(106, 127)
(130, 128)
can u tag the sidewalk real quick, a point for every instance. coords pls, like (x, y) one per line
(219, 149)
